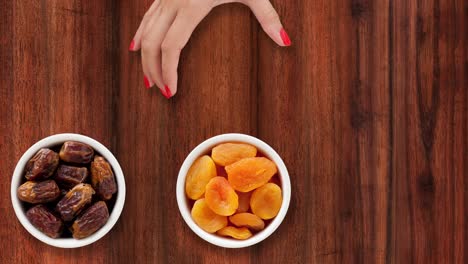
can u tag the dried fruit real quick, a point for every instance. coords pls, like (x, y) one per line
(241, 233)
(44, 220)
(198, 176)
(69, 176)
(221, 197)
(206, 219)
(38, 192)
(247, 220)
(42, 165)
(228, 153)
(74, 201)
(266, 201)
(248, 174)
(244, 201)
(90, 221)
(102, 178)
(76, 152)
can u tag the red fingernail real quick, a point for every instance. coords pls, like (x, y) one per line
(167, 93)
(147, 82)
(285, 37)
(163, 92)
(132, 45)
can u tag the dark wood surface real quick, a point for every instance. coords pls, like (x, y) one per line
(368, 109)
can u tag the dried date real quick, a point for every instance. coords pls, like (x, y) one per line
(102, 178)
(44, 220)
(42, 165)
(69, 176)
(76, 152)
(74, 201)
(90, 221)
(38, 192)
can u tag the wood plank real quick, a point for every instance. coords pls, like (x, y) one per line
(331, 120)
(428, 203)
(7, 155)
(53, 83)
(216, 94)
(368, 108)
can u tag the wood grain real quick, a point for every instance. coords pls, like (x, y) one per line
(368, 108)
(53, 82)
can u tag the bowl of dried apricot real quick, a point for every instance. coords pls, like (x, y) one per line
(68, 190)
(233, 190)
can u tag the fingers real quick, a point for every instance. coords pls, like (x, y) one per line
(136, 41)
(269, 20)
(152, 38)
(176, 38)
(167, 26)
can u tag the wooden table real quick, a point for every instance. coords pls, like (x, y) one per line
(368, 109)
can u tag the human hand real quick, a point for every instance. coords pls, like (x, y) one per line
(167, 26)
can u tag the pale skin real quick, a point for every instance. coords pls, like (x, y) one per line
(167, 26)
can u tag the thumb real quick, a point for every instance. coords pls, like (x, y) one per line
(269, 20)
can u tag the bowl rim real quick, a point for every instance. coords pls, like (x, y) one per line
(54, 140)
(202, 149)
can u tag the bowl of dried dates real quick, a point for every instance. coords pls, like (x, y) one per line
(233, 190)
(68, 190)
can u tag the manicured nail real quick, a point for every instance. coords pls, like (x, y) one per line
(163, 92)
(285, 37)
(167, 93)
(147, 82)
(132, 46)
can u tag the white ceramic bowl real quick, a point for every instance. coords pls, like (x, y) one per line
(204, 148)
(53, 141)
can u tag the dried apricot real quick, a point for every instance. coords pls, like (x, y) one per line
(234, 232)
(199, 174)
(206, 218)
(228, 153)
(244, 201)
(266, 201)
(221, 197)
(247, 220)
(248, 174)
